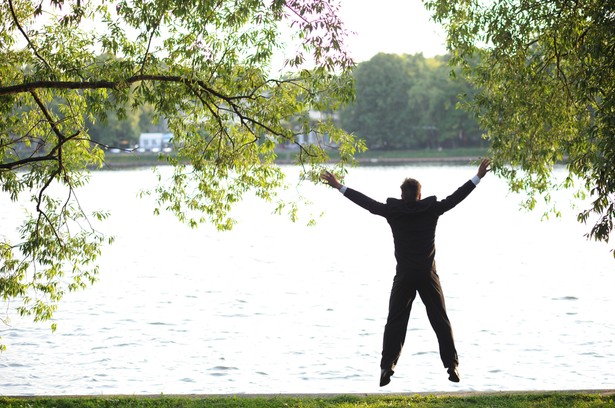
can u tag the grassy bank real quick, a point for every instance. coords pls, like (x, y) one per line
(135, 159)
(503, 399)
(404, 156)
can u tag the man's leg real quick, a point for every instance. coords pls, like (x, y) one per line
(432, 296)
(403, 294)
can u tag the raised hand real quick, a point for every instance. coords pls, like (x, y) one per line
(331, 180)
(483, 168)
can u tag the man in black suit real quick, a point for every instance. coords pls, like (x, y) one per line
(413, 222)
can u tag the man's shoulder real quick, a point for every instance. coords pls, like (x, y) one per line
(412, 207)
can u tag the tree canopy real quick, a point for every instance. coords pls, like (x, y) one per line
(409, 102)
(544, 75)
(216, 71)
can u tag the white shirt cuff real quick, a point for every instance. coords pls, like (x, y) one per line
(343, 189)
(475, 180)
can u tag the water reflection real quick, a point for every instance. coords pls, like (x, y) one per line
(275, 307)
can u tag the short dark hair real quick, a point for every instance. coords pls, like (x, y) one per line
(410, 189)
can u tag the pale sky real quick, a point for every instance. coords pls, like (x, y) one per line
(390, 26)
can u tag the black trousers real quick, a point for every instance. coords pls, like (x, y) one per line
(403, 293)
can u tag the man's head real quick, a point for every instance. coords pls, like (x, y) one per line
(410, 190)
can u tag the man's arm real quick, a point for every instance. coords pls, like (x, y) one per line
(463, 191)
(356, 197)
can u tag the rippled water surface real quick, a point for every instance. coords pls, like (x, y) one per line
(277, 307)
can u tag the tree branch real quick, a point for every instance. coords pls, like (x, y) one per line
(22, 162)
(55, 154)
(149, 44)
(30, 86)
(48, 117)
(26, 35)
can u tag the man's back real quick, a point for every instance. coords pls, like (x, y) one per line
(414, 231)
(413, 224)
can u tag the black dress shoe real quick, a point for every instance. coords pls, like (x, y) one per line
(385, 376)
(453, 374)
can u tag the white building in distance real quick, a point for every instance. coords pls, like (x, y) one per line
(155, 142)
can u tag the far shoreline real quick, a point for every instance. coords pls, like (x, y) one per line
(371, 158)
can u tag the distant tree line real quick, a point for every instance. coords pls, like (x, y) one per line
(409, 102)
(122, 130)
(402, 102)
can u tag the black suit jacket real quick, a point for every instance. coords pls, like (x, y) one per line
(413, 225)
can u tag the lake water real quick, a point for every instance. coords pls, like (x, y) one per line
(279, 307)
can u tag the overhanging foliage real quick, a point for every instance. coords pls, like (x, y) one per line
(209, 68)
(544, 74)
